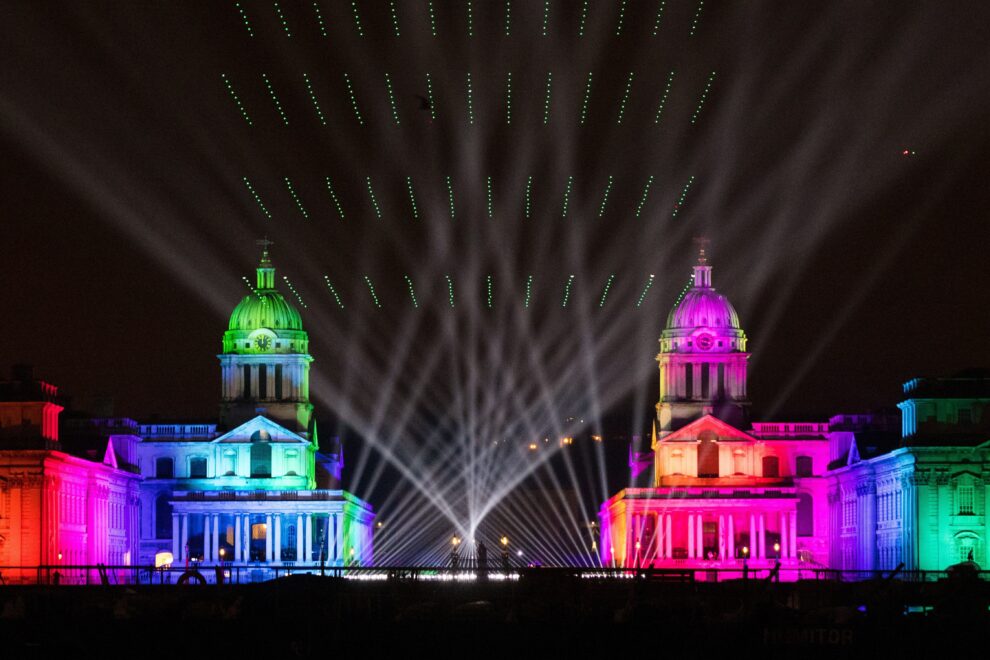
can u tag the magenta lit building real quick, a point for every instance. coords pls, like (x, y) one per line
(724, 491)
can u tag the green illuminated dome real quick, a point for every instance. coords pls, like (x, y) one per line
(264, 321)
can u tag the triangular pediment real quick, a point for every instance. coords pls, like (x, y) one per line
(244, 432)
(724, 431)
(110, 456)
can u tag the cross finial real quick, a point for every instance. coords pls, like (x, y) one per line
(264, 243)
(702, 243)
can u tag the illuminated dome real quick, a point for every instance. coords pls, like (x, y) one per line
(264, 321)
(703, 320)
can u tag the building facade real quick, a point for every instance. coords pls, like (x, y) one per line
(255, 490)
(58, 508)
(724, 491)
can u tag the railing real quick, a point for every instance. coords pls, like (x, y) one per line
(179, 430)
(787, 429)
(466, 570)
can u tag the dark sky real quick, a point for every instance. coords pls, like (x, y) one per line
(127, 224)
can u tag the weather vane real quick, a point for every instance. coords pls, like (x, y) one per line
(702, 243)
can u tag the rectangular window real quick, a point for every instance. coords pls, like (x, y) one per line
(278, 382)
(263, 381)
(705, 380)
(721, 381)
(688, 381)
(965, 416)
(246, 389)
(965, 494)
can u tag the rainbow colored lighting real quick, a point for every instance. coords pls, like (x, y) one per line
(278, 106)
(608, 285)
(247, 23)
(350, 92)
(299, 204)
(319, 19)
(312, 96)
(336, 202)
(704, 97)
(663, 98)
(237, 101)
(333, 291)
(357, 18)
(371, 288)
(257, 198)
(646, 193)
(281, 18)
(642, 296)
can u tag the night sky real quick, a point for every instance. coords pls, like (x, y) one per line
(127, 222)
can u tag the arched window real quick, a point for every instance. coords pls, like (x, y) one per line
(771, 466)
(197, 467)
(261, 455)
(163, 468)
(163, 517)
(805, 515)
(803, 466)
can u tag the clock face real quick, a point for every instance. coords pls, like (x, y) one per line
(264, 342)
(704, 342)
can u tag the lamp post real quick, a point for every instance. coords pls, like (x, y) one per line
(505, 554)
(454, 557)
(745, 554)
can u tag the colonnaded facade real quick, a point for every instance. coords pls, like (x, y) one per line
(856, 493)
(254, 491)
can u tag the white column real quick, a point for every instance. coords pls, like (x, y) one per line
(752, 535)
(237, 537)
(722, 545)
(699, 543)
(784, 536)
(216, 537)
(793, 530)
(299, 537)
(667, 538)
(270, 377)
(690, 531)
(308, 540)
(207, 544)
(277, 551)
(732, 539)
(762, 538)
(268, 538)
(184, 548)
(659, 536)
(176, 539)
(246, 540)
(339, 532)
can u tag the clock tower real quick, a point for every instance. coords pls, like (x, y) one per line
(265, 360)
(702, 358)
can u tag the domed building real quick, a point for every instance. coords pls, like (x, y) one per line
(255, 491)
(725, 492)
